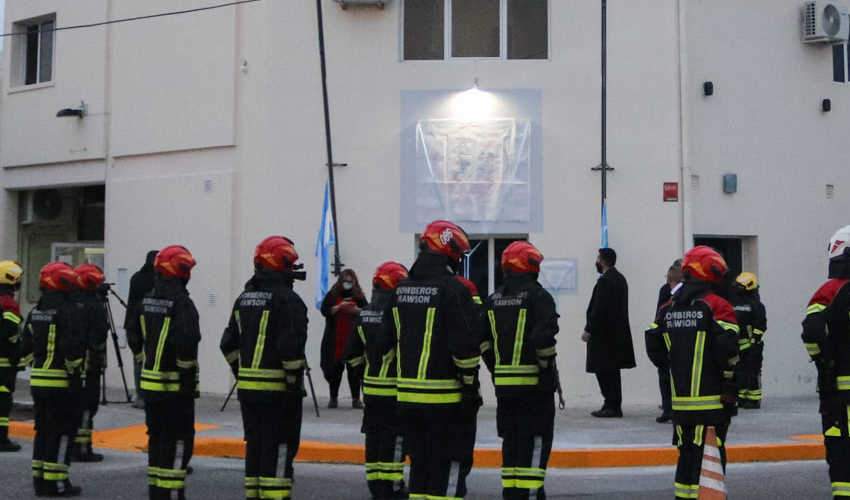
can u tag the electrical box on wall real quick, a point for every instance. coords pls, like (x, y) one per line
(730, 183)
(373, 3)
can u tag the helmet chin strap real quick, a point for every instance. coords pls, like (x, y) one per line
(839, 268)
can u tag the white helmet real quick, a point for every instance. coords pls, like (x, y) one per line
(839, 244)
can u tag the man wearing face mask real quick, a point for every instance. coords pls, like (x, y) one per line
(607, 333)
(431, 322)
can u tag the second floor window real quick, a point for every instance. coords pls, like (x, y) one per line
(32, 51)
(506, 29)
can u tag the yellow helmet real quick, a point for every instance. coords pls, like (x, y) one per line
(10, 272)
(747, 281)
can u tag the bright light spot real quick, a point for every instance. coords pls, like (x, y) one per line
(473, 104)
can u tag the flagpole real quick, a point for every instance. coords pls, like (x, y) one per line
(328, 143)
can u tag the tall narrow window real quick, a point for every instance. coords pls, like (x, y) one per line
(839, 53)
(528, 36)
(32, 51)
(475, 28)
(423, 29)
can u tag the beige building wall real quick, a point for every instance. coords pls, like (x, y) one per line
(207, 131)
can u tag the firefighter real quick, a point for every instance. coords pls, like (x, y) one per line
(165, 331)
(89, 299)
(752, 319)
(438, 353)
(264, 346)
(10, 282)
(697, 334)
(56, 347)
(384, 441)
(826, 335)
(523, 325)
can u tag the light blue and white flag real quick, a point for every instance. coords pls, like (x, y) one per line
(324, 242)
(604, 242)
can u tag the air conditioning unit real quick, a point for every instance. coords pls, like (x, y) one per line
(374, 3)
(44, 205)
(825, 22)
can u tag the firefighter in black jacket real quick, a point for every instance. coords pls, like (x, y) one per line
(56, 346)
(264, 346)
(523, 324)
(93, 325)
(438, 353)
(10, 282)
(165, 330)
(697, 334)
(752, 319)
(384, 441)
(826, 335)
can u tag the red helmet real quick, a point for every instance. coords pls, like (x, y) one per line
(473, 290)
(704, 264)
(447, 238)
(521, 257)
(57, 276)
(89, 276)
(276, 253)
(388, 275)
(174, 261)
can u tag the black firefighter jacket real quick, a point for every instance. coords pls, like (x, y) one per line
(610, 346)
(264, 340)
(95, 327)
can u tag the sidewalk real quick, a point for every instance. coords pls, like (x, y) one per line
(784, 429)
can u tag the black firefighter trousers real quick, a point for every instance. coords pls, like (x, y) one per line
(690, 439)
(525, 425)
(384, 448)
(272, 437)
(440, 443)
(7, 388)
(90, 401)
(836, 439)
(56, 412)
(171, 441)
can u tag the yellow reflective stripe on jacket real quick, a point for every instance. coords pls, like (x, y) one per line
(547, 352)
(362, 334)
(51, 346)
(729, 326)
(232, 356)
(667, 341)
(843, 383)
(293, 365)
(386, 362)
(160, 345)
(10, 316)
(696, 369)
(238, 318)
(815, 308)
(699, 403)
(258, 379)
(426, 343)
(520, 336)
(508, 375)
(378, 386)
(492, 316)
(435, 391)
(467, 363)
(261, 340)
(143, 326)
(158, 381)
(687, 490)
(156, 375)
(397, 321)
(758, 332)
(46, 377)
(812, 348)
(356, 361)
(840, 489)
(5, 363)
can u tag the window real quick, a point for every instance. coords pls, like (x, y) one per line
(32, 51)
(485, 262)
(839, 63)
(507, 29)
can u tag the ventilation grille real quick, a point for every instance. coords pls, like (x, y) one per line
(810, 24)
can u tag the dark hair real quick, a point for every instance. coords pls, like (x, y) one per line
(356, 292)
(609, 256)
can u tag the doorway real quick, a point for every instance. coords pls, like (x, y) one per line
(730, 247)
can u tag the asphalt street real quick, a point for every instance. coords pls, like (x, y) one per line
(123, 475)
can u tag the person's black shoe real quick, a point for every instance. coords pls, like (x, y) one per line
(401, 492)
(663, 419)
(189, 470)
(88, 457)
(745, 404)
(9, 446)
(756, 405)
(333, 403)
(357, 404)
(66, 490)
(607, 413)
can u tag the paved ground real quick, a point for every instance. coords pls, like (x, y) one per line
(122, 476)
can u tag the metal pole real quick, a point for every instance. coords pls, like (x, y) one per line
(337, 263)
(604, 140)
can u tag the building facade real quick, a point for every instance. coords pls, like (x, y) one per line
(206, 129)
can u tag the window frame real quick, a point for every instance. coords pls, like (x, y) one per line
(18, 50)
(448, 27)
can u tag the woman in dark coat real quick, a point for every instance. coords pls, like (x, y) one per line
(341, 305)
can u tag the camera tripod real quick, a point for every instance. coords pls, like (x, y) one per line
(107, 288)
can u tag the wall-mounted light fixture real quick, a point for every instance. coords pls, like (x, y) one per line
(730, 183)
(708, 89)
(826, 105)
(79, 112)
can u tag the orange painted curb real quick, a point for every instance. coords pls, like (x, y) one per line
(134, 438)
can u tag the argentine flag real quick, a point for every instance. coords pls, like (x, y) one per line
(604, 241)
(324, 242)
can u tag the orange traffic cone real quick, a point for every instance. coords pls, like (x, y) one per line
(712, 483)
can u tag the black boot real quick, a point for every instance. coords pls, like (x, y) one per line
(85, 454)
(38, 486)
(5, 444)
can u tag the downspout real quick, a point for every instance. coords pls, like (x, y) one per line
(684, 135)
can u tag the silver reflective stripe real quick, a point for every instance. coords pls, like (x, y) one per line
(398, 457)
(454, 478)
(63, 447)
(85, 423)
(282, 452)
(537, 458)
(178, 454)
